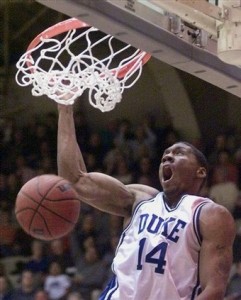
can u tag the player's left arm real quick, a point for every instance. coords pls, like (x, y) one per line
(216, 255)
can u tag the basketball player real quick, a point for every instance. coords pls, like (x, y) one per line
(175, 244)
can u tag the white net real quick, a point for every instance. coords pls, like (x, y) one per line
(65, 66)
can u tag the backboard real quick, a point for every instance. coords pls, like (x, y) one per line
(181, 33)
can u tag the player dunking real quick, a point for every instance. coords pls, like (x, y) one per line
(175, 244)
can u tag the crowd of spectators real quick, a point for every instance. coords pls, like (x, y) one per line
(78, 266)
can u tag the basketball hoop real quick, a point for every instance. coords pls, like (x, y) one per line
(71, 57)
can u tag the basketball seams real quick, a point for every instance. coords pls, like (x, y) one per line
(40, 202)
(48, 209)
(50, 200)
(50, 219)
(62, 199)
(50, 189)
(46, 225)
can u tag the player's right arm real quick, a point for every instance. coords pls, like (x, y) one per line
(96, 189)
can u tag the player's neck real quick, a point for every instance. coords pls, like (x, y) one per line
(172, 200)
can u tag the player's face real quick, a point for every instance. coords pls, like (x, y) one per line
(179, 170)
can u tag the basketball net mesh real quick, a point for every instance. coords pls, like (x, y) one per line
(64, 80)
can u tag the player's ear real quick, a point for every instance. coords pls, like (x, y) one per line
(201, 172)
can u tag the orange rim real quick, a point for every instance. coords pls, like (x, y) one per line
(74, 23)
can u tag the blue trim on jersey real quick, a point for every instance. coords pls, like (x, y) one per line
(121, 239)
(197, 289)
(111, 287)
(196, 223)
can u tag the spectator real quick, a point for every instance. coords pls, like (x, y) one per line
(60, 252)
(17, 146)
(145, 173)
(45, 151)
(225, 163)
(93, 225)
(125, 134)
(108, 133)
(20, 247)
(23, 171)
(116, 225)
(2, 269)
(5, 288)
(87, 229)
(109, 256)
(90, 272)
(74, 296)
(113, 156)
(218, 145)
(143, 143)
(41, 295)
(36, 133)
(46, 166)
(56, 283)
(96, 148)
(224, 192)
(27, 288)
(38, 263)
(102, 227)
(9, 126)
(7, 233)
(91, 162)
(123, 172)
(169, 137)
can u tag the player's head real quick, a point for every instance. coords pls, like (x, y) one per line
(183, 169)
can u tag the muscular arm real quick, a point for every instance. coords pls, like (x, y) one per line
(69, 158)
(218, 231)
(96, 189)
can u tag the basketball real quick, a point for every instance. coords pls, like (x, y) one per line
(47, 207)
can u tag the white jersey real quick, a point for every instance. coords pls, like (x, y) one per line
(158, 253)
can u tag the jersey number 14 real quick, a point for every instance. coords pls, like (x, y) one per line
(155, 256)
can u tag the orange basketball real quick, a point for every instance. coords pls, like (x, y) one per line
(47, 207)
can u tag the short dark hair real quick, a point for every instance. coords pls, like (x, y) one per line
(201, 158)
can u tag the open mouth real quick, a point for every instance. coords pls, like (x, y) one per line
(167, 173)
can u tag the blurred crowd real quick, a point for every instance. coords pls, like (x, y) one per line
(79, 266)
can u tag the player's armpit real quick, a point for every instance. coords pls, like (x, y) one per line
(218, 232)
(142, 192)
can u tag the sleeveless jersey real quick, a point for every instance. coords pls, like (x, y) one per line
(158, 252)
